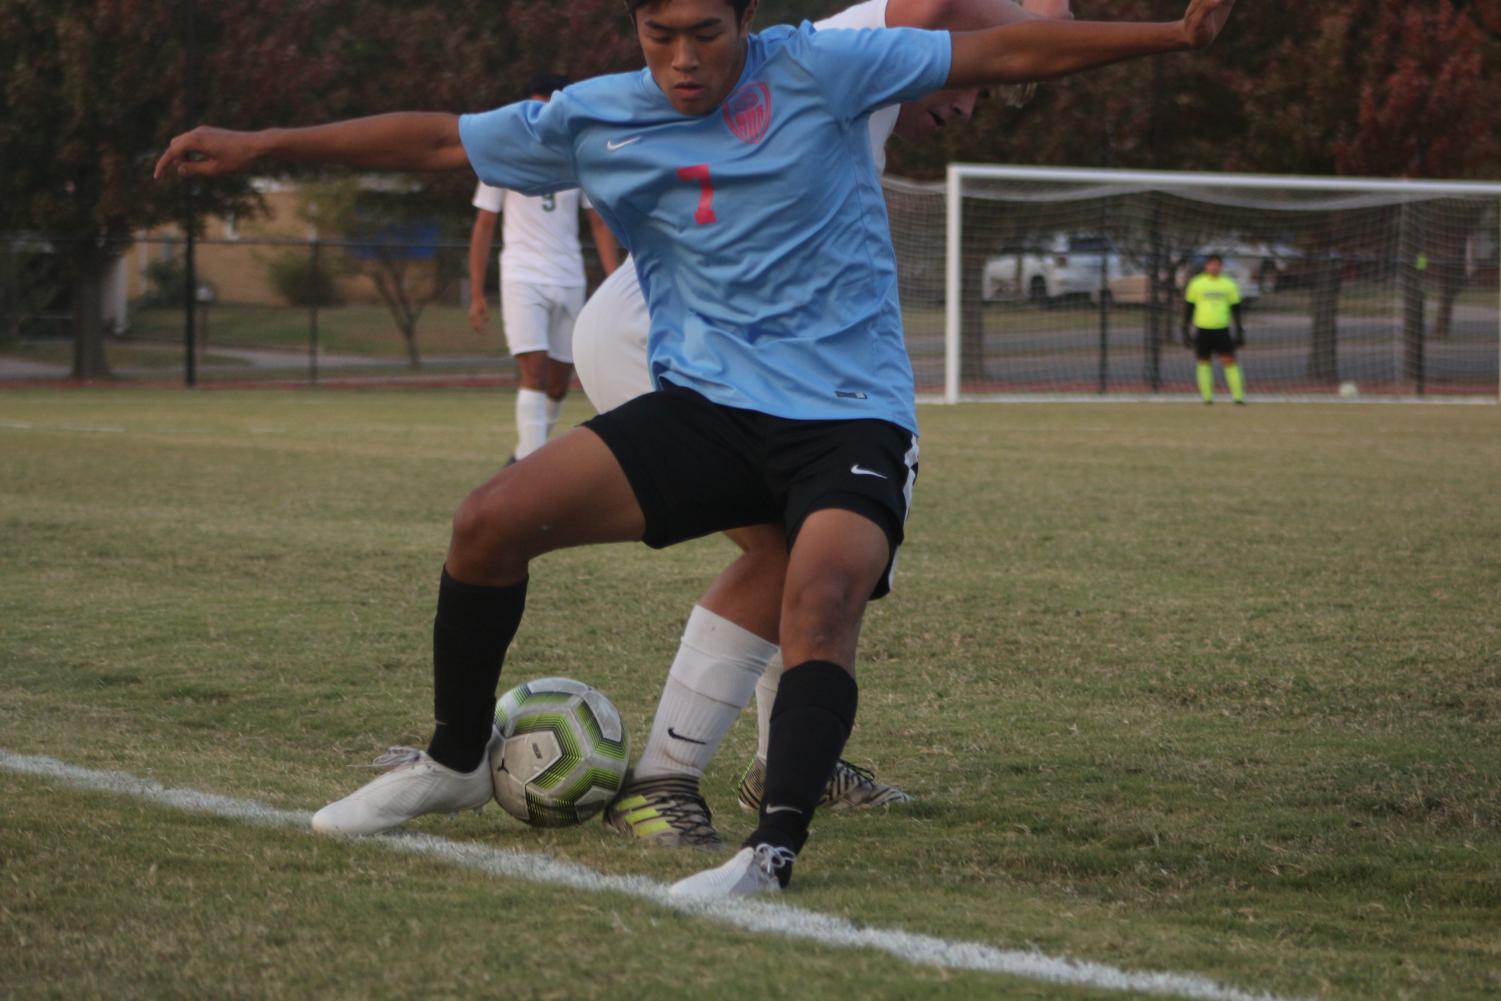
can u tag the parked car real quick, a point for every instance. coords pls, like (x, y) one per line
(1020, 272)
(1063, 267)
(1257, 267)
(1082, 267)
(1247, 269)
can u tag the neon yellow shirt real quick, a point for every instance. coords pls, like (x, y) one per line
(1212, 299)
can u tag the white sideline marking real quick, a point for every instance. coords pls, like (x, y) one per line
(74, 428)
(1486, 400)
(758, 916)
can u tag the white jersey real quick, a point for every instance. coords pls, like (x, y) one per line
(609, 337)
(539, 236)
(871, 14)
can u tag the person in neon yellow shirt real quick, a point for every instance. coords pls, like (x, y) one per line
(1213, 300)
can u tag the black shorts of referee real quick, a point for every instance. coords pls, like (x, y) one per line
(1208, 343)
(697, 467)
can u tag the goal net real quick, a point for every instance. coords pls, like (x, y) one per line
(1069, 283)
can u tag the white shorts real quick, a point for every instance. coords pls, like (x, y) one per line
(609, 341)
(540, 317)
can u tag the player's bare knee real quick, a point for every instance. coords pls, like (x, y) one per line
(559, 377)
(531, 370)
(483, 522)
(471, 527)
(822, 613)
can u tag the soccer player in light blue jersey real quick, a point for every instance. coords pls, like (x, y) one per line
(728, 649)
(735, 168)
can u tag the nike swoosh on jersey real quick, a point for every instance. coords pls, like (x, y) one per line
(677, 736)
(612, 145)
(860, 470)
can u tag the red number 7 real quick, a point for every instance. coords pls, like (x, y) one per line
(699, 172)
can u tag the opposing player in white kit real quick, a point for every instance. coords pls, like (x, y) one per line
(541, 285)
(728, 650)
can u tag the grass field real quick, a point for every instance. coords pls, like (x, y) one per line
(1213, 691)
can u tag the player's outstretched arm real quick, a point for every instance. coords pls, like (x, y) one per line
(407, 140)
(1043, 50)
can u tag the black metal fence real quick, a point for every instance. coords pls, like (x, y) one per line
(262, 310)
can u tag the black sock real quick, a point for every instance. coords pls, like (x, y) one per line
(810, 721)
(474, 626)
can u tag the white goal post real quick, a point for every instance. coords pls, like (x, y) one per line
(1067, 283)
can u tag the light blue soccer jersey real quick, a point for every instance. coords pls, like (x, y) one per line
(759, 230)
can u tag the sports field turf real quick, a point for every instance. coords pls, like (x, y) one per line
(1201, 690)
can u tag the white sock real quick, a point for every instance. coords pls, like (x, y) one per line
(766, 697)
(554, 408)
(711, 681)
(531, 421)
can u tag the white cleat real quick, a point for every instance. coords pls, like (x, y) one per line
(762, 869)
(414, 786)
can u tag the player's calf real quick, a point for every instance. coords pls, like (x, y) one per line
(814, 712)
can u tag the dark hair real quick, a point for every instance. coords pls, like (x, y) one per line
(544, 83)
(632, 6)
(1213, 257)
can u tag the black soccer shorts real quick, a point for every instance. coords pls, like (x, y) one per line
(1208, 343)
(697, 467)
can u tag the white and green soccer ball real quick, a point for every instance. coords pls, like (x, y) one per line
(562, 755)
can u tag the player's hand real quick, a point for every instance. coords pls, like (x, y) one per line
(479, 315)
(207, 152)
(1203, 20)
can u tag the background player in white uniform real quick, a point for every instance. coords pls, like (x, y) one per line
(541, 285)
(728, 650)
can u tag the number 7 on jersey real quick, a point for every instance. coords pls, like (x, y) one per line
(699, 172)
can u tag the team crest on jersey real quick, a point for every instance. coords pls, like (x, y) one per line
(748, 112)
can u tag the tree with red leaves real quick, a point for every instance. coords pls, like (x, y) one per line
(1423, 109)
(93, 89)
(1426, 109)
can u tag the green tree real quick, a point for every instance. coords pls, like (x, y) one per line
(456, 56)
(391, 234)
(92, 90)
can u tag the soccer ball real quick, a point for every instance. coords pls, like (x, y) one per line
(562, 754)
